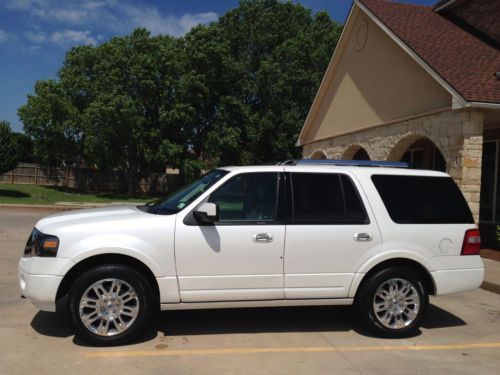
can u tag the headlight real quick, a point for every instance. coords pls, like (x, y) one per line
(42, 245)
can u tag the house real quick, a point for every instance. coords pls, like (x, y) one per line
(418, 84)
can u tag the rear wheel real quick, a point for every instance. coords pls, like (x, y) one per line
(110, 305)
(392, 302)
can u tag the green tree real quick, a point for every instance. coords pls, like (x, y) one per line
(236, 91)
(110, 106)
(51, 119)
(8, 150)
(251, 78)
(283, 51)
(24, 147)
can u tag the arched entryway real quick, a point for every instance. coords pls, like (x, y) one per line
(318, 154)
(418, 150)
(355, 152)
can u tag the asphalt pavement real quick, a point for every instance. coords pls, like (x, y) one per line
(460, 335)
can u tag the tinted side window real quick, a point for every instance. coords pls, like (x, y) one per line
(422, 200)
(247, 197)
(325, 198)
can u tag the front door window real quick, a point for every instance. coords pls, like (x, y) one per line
(249, 197)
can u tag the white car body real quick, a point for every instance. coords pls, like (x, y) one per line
(224, 266)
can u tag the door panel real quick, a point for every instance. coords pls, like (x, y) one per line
(227, 258)
(326, 257)
(241, 256)
(331, 232)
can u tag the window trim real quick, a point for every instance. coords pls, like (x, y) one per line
(290, 196)
(190, 220)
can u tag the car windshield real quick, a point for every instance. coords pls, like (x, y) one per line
(182, 198)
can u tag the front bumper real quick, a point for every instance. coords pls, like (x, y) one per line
(40, 287)
(41, 290)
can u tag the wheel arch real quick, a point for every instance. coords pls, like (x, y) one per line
(419, 268)
(101, 259)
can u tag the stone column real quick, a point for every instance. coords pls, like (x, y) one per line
(465, 147)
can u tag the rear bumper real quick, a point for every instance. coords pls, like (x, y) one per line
(453, 281)
(457, 274)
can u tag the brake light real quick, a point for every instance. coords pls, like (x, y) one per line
(472, 242)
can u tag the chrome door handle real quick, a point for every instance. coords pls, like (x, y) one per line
(363, 237)
(262, 237)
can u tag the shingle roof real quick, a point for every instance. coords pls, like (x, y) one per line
(462, 59)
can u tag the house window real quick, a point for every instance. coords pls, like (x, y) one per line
(414, 155)
(426, 157)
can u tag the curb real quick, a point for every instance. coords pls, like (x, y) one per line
(490, 254)
(493, 256)
(490, 287)
(65, 206)
(39, 206)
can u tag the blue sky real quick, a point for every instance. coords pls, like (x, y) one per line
(34, 34)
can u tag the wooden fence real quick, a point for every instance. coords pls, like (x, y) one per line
(87, 179)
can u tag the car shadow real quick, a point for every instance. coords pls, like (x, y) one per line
(251, 320)
(57, 325)
(436, 317)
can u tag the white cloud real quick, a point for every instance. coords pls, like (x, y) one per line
(70, 37)
(67, 15)
(188, 21)
(92, 5)
(68, 22)
(118, 16)
(35, 37)
(21, 4)
(33, 48)
(4, 36)
(151, 19)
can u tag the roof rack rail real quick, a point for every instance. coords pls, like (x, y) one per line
(288, 162)
(356, 163)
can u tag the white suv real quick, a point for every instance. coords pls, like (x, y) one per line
(306, 233)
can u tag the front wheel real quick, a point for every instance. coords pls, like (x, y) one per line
(110, 305)
(392, 302)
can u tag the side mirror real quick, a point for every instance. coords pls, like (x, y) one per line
(207, 213)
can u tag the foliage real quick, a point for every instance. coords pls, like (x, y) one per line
(8, 149)
(234, 92)
(24, 147)
(50, 118)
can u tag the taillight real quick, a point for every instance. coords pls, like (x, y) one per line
(472, 242)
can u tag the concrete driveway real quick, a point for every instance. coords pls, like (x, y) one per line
(461, 335)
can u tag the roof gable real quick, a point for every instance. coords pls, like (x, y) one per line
(370, 81)
(467, 63)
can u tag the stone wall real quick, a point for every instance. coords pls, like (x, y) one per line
(457, 134)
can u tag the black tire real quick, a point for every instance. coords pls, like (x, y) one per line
(144, 302)
(365, 298)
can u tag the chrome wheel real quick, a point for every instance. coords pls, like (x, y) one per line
(396, 303)
(109, 307)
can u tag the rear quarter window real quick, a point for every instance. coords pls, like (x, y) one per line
(423, 200)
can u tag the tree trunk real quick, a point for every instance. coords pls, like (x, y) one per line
(182, 175)
(131, 176)
(153, 181)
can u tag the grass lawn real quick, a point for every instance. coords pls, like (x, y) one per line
(35, 194)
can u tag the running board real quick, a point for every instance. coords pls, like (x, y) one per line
(262, 303)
